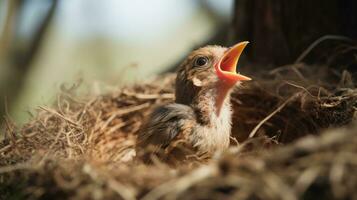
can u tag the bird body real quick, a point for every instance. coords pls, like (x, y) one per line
(213, 132)
(200, 118)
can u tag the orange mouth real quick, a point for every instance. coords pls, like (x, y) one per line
(226, 67)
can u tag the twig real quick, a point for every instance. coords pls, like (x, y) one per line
(127, 193)
(300, 87)
(317, 42)
(256, 128)
(181, 184)
(128, 110)
(151, 96)
(10, 168)
(284, 67)
(11, 133)
(4, 149)
(60, 116)
(121, 112)
(234, 140)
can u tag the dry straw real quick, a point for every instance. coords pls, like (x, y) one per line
(82, 148)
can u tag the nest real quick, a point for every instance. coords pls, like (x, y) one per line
(83, 147)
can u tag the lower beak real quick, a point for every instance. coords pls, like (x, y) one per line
(226, 67)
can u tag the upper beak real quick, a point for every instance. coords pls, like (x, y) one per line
(226, 67)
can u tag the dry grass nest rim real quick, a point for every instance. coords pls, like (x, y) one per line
(81, 147)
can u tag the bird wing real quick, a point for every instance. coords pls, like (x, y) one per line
(165, 124)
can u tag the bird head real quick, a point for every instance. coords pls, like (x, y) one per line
(208, 67)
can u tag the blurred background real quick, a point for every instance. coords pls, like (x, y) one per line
(47, 43)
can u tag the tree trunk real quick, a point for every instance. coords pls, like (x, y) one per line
(16, 59)
(280, 30)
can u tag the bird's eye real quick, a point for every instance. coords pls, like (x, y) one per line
(201, 61)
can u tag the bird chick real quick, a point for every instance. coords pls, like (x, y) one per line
(200, 118)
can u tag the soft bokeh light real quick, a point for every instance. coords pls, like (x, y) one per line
(111, 42)
(128, 21)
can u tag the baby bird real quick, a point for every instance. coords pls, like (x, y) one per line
(200, 119)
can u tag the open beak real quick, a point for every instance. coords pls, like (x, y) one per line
(226, 67)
